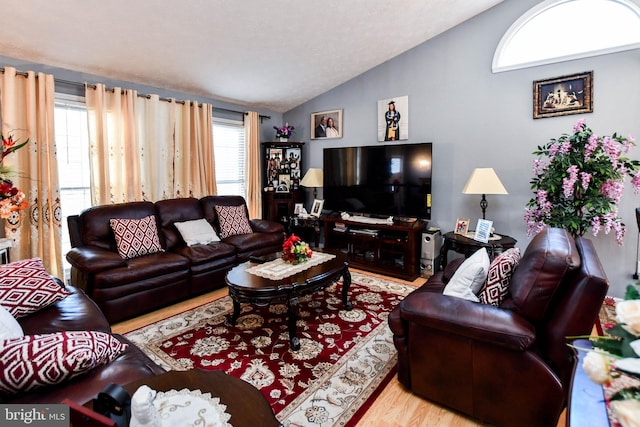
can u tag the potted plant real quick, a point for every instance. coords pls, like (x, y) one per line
(284, 132)
(578, 181)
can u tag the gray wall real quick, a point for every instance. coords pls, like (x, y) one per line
(478, 119)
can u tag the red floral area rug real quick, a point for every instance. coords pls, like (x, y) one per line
(345, 356)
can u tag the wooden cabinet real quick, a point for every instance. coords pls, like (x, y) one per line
(390, 249)
(282, 172)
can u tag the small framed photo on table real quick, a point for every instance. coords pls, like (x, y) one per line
(462, 226)
(297, 210)
(316, 208)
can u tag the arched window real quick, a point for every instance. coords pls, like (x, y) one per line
(561, 30)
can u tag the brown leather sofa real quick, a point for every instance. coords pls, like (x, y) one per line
(507, 365)
(73, 313)
(125, 288)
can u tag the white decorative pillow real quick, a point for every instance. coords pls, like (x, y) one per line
(469, 278)
(40, 360)
(197, 231)
(25, 287)
(233, 220)
(9, 326)
(136, 237)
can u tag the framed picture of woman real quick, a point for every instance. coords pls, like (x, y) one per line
(393, 119)
(326, 124)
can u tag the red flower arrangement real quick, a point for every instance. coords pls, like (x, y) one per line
(295, 251)
(11, 198)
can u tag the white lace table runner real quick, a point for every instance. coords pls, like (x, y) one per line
(278, 269)
(191, 408)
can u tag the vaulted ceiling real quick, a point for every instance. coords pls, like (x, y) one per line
(272, 54)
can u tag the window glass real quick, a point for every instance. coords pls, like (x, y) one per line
(560, 30)
(72, 144)
(229, 152)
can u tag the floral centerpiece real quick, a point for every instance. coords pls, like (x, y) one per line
(578, 182)
(615, 361)
(295, 251)
(284, 131)
(11, 198)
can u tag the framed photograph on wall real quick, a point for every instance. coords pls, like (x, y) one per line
(564, 95)
(462, 226)
(316, 208)
(393, 119)
(326, 124)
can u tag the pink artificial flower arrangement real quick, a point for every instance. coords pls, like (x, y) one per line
(578, 181)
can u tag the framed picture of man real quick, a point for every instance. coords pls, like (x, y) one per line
(393, 119)
(326, 124)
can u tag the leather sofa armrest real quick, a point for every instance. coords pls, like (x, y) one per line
(476, 321)
(91, 259)
(266, 226)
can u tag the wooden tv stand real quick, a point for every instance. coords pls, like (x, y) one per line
(389, 249)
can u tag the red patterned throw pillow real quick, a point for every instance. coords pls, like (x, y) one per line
(25, 287)
(40, 360)
(233, 220)
(136, 237)
(499, 278)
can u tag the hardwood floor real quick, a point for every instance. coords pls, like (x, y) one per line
(394, 407)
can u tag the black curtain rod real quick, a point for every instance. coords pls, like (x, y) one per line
(93, 86)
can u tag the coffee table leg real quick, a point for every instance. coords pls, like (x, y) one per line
(236, 311)
(346, 282)
(292, 309)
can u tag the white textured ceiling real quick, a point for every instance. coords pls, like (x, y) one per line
(273, 54)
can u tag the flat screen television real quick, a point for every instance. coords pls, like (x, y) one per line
(379, 180)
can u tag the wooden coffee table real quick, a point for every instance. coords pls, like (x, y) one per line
(245, 287)
(245, 403)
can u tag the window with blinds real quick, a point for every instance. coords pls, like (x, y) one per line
(229, 152)
(72, 143)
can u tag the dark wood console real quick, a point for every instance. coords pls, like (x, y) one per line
(390, 249)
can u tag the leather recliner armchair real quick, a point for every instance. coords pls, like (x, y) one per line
(507, 365)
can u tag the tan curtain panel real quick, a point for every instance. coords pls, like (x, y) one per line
(252, 159)
(155, 125)
(28, 112)
(193, 150)
(113, 145)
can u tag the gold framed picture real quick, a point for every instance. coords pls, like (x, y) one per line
(564, 95)
(462, 226)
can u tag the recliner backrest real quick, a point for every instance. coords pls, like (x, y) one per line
(550, 256)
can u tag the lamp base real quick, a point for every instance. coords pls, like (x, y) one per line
(483, 206)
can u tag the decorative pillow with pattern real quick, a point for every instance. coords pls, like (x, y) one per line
(25, 287)
(233, 220)
(136, 237)
(499, 277)
(35, 361)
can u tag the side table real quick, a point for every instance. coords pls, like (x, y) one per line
(246, 404)
(305, 224)
(467, 246)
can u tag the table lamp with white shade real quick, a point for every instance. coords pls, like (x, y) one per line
(484, 181)
(313, 178)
